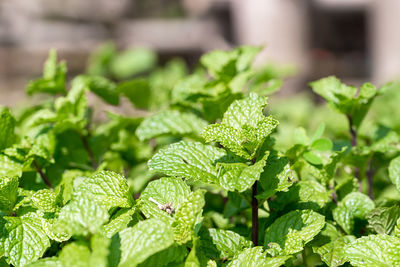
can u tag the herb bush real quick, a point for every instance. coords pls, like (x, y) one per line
(201, 176)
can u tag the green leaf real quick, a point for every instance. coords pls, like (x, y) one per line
(312, 158)
(7, 125)
(99, 60)
(8, 193)
(345, 99)
(384, 219)
(108, 188)
(239, 176)
(192, 160)
(167, 190)
(82, 254)
(333, 252)
(373, 250)
(322, 144)
(354, 205)
(132, 61)
(54, 77)
(81, 216)
(103, 88)
(358, 204)
(170, 122)
(187, 216)
(45, 200)
(306, 194)
(394, 172)
(46, 262)
(118, 222)
(294, 229)
(244, 127)
(226, 64)
(138, 92)
(277, 175)
(143, 240)
(227, 243)
(196, 258)
(256, 257)
(25, 241)
(344, 218)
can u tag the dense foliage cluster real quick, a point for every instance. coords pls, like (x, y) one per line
(199, 175)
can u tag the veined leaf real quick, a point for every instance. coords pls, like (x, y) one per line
(168, 190)
(143, 240)
(108, 188)
(7, 125)
(187, 216)
(239, 176)
(394, 172)
(294, 229)
(81, 216)
(256, 257)
(373, 250)
(171, 122)
(193, 161)
(26, 241)
(243, 128)
(8, 193)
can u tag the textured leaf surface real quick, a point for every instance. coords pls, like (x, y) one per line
(54, 77)
(374, 250)
(358, 204)
(118, 222)
(332, 253)
(7, 125)
(107, 188)
(188, 160)
(277, 175)
(394, 172)
(256, 257)
(384, 219)
(26, 241)
(302, 195)
(294, 229)
(104, 88)
(188, 215)
(10, 167)
(45, 200)
(353, 205)
(82, 215)
(167, 190)
(171, 122)
(243, 128)
(228, 243)
(143, 240)
(346, 99)
(240, 176)
(8, 193)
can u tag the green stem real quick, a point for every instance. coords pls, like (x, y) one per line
(42, 174)
(254, 215)
(304, 256)
(353, 134)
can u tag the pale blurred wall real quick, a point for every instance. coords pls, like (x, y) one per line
(28, 28)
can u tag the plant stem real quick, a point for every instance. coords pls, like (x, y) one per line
(353, 134)
(89, 151)
(42, 174)
(370, 176)
(254, 215)
(304, 257)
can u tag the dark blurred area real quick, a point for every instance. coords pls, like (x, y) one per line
(357, 40)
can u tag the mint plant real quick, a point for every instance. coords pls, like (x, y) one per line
(203, 174)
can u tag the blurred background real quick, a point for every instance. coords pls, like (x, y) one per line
(357, 40)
